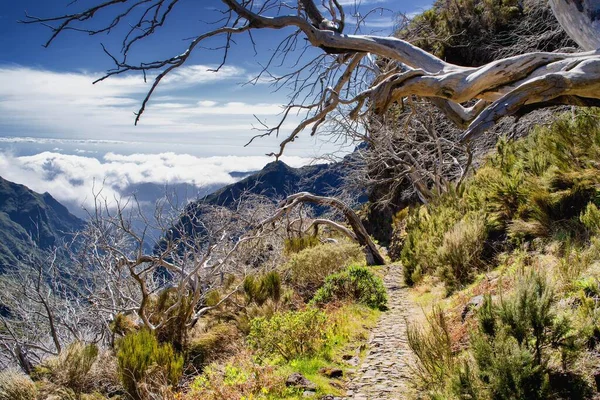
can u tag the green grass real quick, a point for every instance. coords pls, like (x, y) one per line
(350, 325)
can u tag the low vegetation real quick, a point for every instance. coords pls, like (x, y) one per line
(356, 283)
(259, 331)
(517, 251)
(146, 365)
(543, 187)
(307, 269)
(289, 335)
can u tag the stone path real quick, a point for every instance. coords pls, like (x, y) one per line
(385, 371)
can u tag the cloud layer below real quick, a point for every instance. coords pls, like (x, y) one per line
(73, 179)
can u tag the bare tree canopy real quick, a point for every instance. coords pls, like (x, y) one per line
(358, 233)
(345, 80)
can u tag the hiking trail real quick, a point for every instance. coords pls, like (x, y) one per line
(384, 373)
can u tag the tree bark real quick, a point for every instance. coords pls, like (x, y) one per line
(373, 257)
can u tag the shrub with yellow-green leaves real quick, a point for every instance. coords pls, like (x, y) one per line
(426, 227)
(147, 365)
(306, 271)
(240, 377)
(15, 385)
(542, 187)
(289, 335)
(356, 283)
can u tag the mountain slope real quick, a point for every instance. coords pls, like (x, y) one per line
(275, 181)
(27, 217)
(278, 179)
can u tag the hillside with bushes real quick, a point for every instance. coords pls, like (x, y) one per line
(509, 267)
(303, 318)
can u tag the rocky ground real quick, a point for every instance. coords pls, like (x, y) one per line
(385, 371)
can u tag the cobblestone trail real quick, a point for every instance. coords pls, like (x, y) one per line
(384, 372)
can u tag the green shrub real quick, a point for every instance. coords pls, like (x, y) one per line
(297, 244)
(542, 186)
(173, 313)
(217, 342)
(356, 283)
(518, 347)
(590, 218)
(518, 337)
(15, 385)
(460, 254)
(143, 361)
(426, 227)
(508, 370)
(290, 335)
(71, 369)
(262, 288)
(306, 271)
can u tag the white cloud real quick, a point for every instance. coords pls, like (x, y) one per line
(73, 178)
(378, 22)
(56, 104)
(207, 103)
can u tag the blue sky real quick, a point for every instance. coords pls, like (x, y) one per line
(49, 108)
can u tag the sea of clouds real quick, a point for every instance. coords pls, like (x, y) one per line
(74, 179)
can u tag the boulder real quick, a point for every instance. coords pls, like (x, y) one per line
(472, 305)
(298, 381)
(332, 372)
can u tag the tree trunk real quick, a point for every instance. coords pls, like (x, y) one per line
(372, 255)
(580, 19)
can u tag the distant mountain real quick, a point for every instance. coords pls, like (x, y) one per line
(241, 175)
(276, 181)
(27, 217)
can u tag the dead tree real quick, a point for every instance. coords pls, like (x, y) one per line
(111, 274)
(345, 79)
(358, 233)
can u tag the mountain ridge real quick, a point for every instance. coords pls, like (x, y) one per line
(30, 220)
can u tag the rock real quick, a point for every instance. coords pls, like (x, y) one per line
(597, 380)
(308, 393)
(330, 397)
(473, 304)
(337, 385)
(298, 380)
(354, 361)
(332, 372)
